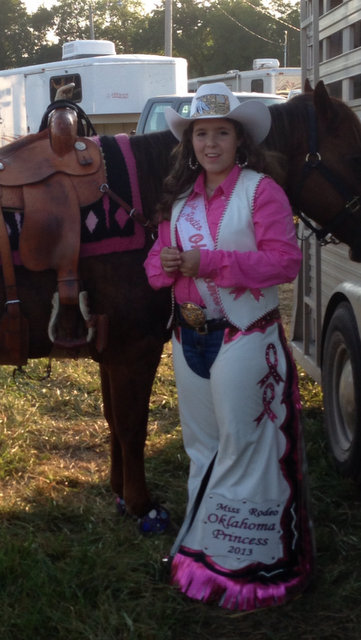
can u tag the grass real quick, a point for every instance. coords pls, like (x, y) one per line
(71, 569)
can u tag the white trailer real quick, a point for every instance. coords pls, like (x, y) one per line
(266, 77)
(111, 89)
(326, 329)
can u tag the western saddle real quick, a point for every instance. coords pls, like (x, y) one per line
(48, 176)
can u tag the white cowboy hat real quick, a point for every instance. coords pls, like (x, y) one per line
(215, 100)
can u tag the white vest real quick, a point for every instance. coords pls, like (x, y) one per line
(236, 233)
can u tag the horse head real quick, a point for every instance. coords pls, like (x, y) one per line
(320, 137)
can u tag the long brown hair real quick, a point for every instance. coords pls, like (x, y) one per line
(182, 176)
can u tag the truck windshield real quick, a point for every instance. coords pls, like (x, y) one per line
(156, 120)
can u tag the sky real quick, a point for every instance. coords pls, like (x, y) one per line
(32, 5)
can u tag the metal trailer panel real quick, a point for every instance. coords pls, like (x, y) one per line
(12, 108)
(114, 89)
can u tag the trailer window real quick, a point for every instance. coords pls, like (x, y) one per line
(257, 85)
(356, 87)
(57, 82)
(356, 35)
(333, 45)
(332, 4)
(335, 89)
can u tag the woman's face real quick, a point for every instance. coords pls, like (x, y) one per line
(215, 143)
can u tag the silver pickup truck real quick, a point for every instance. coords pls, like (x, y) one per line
(152, 117)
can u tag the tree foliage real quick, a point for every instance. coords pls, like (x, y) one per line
(220, 35)
(15, 34)
(213, 35)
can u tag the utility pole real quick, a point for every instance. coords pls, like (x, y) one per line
(285, 50)
(168, 27)
(91, 23)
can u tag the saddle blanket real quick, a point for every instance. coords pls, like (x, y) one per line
(105, 226)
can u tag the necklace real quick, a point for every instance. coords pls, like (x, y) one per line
(210, 190)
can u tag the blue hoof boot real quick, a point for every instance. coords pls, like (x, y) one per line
(120, 505)
(155, 521)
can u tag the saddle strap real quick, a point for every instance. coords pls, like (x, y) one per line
(133, 213)
(14, 329)
(7, 262)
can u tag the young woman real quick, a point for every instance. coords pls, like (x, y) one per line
(225, 242)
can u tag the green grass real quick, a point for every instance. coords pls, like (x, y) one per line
(71, 569)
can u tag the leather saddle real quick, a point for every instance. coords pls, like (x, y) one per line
(49, 176)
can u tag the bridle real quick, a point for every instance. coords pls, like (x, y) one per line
(313, 161)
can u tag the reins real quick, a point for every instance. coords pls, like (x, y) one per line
(313, 160)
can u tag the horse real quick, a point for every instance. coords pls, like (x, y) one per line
(117, 286)
(317, 138)
(319, 141)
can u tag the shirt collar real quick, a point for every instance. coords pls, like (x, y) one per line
(225, 188)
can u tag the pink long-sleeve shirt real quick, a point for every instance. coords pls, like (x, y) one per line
(276, 261)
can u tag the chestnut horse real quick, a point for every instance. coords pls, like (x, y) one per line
(319, 139)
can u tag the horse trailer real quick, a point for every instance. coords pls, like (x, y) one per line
(326, 324)
(266, 77)
(111, 89)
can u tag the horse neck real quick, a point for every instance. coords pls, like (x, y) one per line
(288, 137)
(288, 128)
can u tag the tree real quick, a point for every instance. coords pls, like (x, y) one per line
(114, 20)
(192, 37)
(213, 35)
(219, 35)
(247, 29)
(15, 34)
(45, 49)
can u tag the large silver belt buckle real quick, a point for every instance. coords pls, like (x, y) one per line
(193, 314)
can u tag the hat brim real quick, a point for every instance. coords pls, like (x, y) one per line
(254, 115)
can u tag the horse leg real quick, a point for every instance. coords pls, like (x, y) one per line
(116, 458)
(126, 388)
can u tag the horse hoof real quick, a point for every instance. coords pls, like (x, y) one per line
(120, 506)
(155, 521)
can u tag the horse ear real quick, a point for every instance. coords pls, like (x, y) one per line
(307, 87)
(322, 101)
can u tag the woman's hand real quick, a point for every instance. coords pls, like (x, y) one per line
(170, 258)
(190, 261)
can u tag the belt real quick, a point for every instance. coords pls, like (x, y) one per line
(192, 316)
(196, 320)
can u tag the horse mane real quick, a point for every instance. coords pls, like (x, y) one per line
(290, 122)
(152, 153)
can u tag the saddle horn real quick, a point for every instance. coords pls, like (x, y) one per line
(84, 127)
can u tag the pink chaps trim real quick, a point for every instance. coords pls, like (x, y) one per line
(199, 583)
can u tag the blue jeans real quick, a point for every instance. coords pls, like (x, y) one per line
(201, 350)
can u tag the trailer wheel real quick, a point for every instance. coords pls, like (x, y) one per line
(341, 382)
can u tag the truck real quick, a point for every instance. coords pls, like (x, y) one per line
(112, 89)
(266, 76)
(153, 119)
(326, 325)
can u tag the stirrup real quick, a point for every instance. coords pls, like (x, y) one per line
(84, 310)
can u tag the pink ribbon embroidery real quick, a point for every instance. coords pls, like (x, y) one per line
(269, 388)
(272, 366)
(268, 397)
